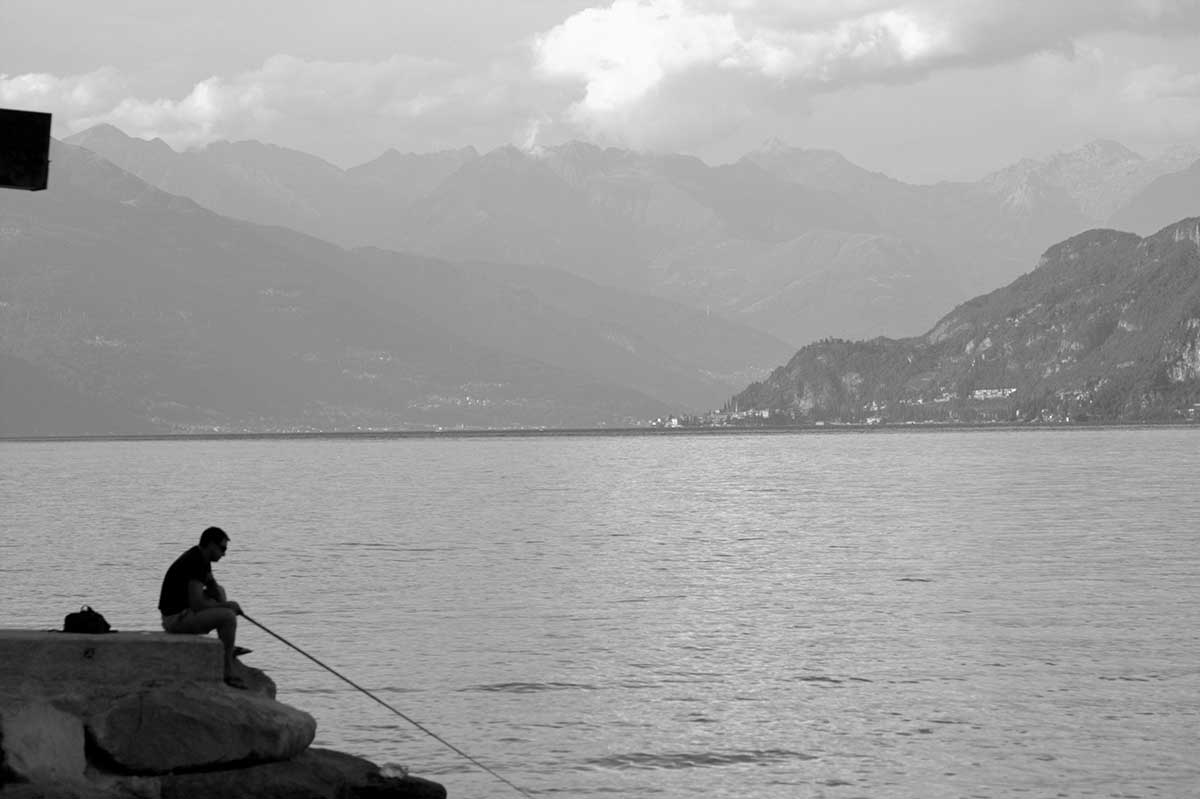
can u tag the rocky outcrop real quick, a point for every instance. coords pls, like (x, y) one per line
(41, 743)
(189, 726)
(318, 773)
(148, 715)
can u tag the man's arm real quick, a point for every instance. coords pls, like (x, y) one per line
(199, 600)
(213, 590)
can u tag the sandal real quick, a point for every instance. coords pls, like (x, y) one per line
(238, 651)
(236, 682)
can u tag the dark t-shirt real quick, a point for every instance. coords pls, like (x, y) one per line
(191, 565)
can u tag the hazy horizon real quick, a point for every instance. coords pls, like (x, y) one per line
(1190, 146)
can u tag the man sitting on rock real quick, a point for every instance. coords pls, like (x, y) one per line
(192, 602)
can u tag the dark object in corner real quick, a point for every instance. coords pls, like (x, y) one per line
(86, 620)
(24, 149)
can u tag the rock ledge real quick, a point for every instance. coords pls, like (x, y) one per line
(147, 715)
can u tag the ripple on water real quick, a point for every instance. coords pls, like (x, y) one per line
(530, 687)
(683, 760)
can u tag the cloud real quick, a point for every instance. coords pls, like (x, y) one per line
(304, 102)
(1158, 104)
(72, 95)
(628, 60)
(711, 77)
(284, 89)
(1161, 82)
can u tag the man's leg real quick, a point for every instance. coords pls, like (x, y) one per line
(223, 620)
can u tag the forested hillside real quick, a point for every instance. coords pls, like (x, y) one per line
(1107, 327)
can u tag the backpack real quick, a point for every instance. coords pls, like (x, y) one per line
(85, 620)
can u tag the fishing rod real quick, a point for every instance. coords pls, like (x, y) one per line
(411, 721)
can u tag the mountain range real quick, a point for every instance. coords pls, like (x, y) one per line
(756, 241)
(1107, 327)
(143, 311)
(247, 287)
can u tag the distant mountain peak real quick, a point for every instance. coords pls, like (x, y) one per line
(242, 144)
(392, 154)
(506, 154)
(106, 135)
(574, 151)
(1101, 155)
(1109, 149)
(577, 147)
(778, 147)
(1096, 178)
(775, 145)
(817, 167)
(103, 129)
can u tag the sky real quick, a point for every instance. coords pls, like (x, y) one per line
(923, 90)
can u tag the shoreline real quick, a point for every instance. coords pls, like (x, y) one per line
(608, 432)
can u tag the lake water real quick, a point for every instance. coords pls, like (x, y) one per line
(886, 614)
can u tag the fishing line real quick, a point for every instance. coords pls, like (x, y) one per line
(411, 721)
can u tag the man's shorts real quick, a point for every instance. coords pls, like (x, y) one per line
(171, 623)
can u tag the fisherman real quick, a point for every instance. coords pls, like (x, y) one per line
(192, 602)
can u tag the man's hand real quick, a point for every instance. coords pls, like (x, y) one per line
(235, 607)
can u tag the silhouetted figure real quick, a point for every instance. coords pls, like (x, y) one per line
(192, 602)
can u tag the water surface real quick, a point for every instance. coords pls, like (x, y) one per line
(884, 614)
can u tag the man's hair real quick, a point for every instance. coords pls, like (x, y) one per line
(213, 535)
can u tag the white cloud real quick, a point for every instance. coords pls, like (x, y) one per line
(710, 77)
(629, 58)
(72, 95)
(276, 100)
(285, 90)
(625, 51)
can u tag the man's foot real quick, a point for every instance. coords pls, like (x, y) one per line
(238, 651)
(233, 681)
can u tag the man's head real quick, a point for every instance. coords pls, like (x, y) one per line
(213, 543)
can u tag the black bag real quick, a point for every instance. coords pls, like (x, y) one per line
(86, 621)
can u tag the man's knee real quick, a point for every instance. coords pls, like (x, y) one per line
(224, 617)
(205, 621)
